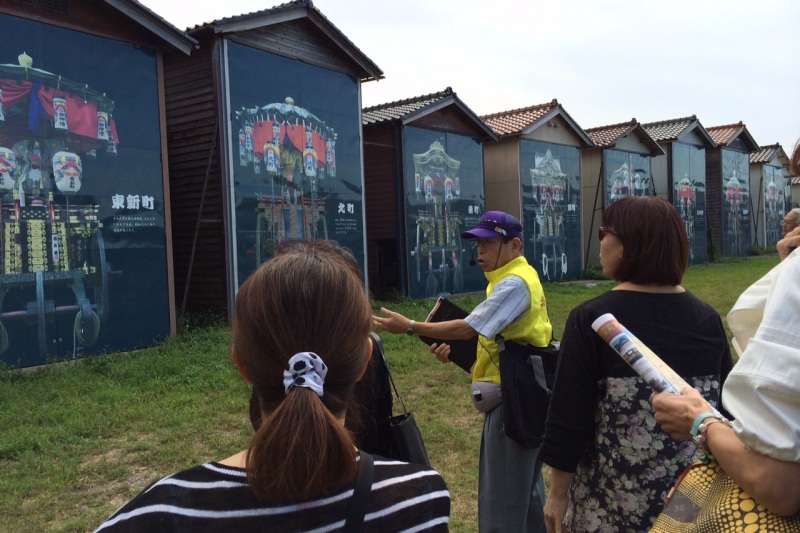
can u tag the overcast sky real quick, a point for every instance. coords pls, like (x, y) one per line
(606, 61)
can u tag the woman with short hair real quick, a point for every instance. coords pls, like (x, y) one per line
(611, 466)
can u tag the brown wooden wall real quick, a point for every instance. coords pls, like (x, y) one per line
(298, 39)
(382, 153)
(191, 122)
(502, 188)
(97, 18)
(449, 119)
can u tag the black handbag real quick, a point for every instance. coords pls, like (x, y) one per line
(406, 439)
(526, 389)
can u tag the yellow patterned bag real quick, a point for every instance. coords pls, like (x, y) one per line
(706, 500)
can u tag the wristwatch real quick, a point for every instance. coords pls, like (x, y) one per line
(410, 330)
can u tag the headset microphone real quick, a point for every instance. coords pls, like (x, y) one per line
(472, 258)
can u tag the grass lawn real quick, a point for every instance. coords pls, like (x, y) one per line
(81, 438)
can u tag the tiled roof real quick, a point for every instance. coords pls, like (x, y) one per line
(401, 108)
(725, 134)
(668, 130)
(765, 154)
(605, 136)
(516, 121)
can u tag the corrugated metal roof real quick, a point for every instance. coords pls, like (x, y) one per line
(605, 136)
(765, 154)
(401, 108)
(516, 121)
(668, 130)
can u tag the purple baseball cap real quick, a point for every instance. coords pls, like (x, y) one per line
(495, 224)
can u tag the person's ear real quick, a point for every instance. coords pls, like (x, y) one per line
(516, 244)
(366, 359)
(240, 366)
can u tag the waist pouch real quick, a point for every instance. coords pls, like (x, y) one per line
(485, 395)
(525, 390)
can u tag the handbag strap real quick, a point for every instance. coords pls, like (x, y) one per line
(376, 340)
(362, 494)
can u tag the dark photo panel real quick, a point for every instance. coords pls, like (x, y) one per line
(83, 262)
(296, 152)
(444, 196)
(774, 204)
(735, 204)
(689, 196)
(551, 208)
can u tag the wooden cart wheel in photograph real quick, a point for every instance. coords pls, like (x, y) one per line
(86, 327)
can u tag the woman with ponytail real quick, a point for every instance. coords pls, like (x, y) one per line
(301, 339)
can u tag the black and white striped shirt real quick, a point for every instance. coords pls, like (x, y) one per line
(214, 497)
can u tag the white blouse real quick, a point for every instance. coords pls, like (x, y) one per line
(762, 392)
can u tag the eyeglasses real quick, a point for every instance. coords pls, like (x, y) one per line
(602, 232)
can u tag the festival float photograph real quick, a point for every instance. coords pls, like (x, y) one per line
(295, 157)
(75, 198)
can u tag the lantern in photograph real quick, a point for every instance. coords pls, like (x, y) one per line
(8, 164)
(310, 162)
(449, 189)
(310, 156)
(2, 115)
(248, 141)
(67, 170)
(102, 125)
(242, 148)
(272, 158)
(330, 152)
(558, 192)
(111, 147)
(60, 114)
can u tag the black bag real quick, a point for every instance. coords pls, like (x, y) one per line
(524, 383)
(369, 419)
(406, 438)
(407, 443)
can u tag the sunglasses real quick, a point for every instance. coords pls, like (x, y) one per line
(602, 232)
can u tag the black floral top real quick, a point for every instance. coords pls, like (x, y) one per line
(601, 424)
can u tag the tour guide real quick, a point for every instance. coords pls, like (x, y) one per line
(510, 486)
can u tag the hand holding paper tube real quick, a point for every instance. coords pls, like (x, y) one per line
(658, 374)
